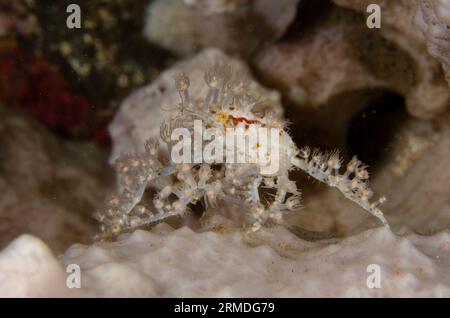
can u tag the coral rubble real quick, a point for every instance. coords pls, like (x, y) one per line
(270, 263)
(236, 27)
(433, 19)
(50, 187)
(340, 54)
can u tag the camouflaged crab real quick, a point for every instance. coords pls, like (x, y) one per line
(265, 197)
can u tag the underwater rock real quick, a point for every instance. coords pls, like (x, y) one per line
(332, 73)
(417, 172)
(316, 66)
(210, 7)
(433, 19)
(340, 54)
(236, 27)
(415, 176)
(50, 187)
(430, 96)
(272, 262)
(269, 263)
(28, 268)
(141, 114)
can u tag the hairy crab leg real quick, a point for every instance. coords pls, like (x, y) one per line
(360, 195)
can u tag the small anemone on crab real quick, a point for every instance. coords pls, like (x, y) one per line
(229, 103)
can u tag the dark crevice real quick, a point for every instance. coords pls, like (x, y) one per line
(371, 130)
(308, 14)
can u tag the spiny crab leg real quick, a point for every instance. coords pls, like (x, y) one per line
(352, 184)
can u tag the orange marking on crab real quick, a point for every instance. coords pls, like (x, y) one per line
(237, 120)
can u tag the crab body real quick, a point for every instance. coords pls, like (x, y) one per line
(266, 196)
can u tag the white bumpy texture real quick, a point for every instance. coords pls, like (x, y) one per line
(269, 263)
(433, 19)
